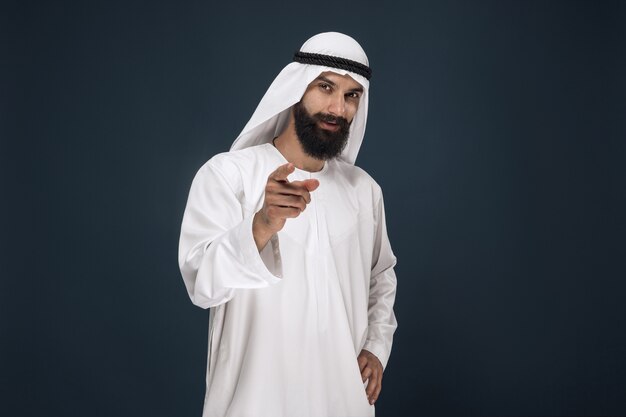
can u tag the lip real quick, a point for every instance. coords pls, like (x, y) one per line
(329, 126)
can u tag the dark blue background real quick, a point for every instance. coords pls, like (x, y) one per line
(497, 131)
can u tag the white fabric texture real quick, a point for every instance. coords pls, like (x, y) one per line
(288, 323)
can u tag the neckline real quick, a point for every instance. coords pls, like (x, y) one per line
(298, 170)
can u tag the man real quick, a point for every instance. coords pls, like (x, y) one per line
(285, 240)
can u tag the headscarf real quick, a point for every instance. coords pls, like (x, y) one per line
(329, 51)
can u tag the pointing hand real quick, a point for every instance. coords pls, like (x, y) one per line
(283, 200)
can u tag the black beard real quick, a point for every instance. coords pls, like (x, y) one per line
(317, 142)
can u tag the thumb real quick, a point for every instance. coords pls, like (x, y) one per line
(311, 184)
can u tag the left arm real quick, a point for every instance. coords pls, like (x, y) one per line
(382, 321)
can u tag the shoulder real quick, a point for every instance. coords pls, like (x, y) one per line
(357, 176)
(227, 162)
(240, 167)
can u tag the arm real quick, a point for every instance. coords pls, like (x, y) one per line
(382, 321)
(217, 250)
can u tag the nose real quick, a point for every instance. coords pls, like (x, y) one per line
(337, 105)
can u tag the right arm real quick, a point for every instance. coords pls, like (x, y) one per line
(220, 250)
(217, 250)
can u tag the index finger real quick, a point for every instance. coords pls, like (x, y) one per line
(372, 387)
(375, 392)
(282, 172)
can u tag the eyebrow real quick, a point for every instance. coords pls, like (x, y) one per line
(326, 80)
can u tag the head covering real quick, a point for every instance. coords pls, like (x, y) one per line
(329, 51)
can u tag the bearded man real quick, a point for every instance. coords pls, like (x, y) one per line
(284, 239)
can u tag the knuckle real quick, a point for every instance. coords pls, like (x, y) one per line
(297, 189)
(297, 202)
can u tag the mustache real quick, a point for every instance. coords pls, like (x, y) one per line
(329, 118)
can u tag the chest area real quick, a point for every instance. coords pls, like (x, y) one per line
(335, 215)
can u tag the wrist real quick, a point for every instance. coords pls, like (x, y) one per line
(261, 231)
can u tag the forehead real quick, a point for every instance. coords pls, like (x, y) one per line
(344, 81)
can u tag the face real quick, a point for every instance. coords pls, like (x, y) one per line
(324, 114)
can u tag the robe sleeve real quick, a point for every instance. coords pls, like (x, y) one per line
(217, 254)
(381, 318)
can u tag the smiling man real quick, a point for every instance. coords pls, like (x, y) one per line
(284, 239)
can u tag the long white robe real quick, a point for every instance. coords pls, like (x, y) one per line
(287, 324)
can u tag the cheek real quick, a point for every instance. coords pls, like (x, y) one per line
(313, 102)
(351, 108)
(312, 108)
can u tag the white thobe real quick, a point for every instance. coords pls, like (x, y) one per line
(287, 324)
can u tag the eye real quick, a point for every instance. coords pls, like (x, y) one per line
(353, 95)
(325, 87)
